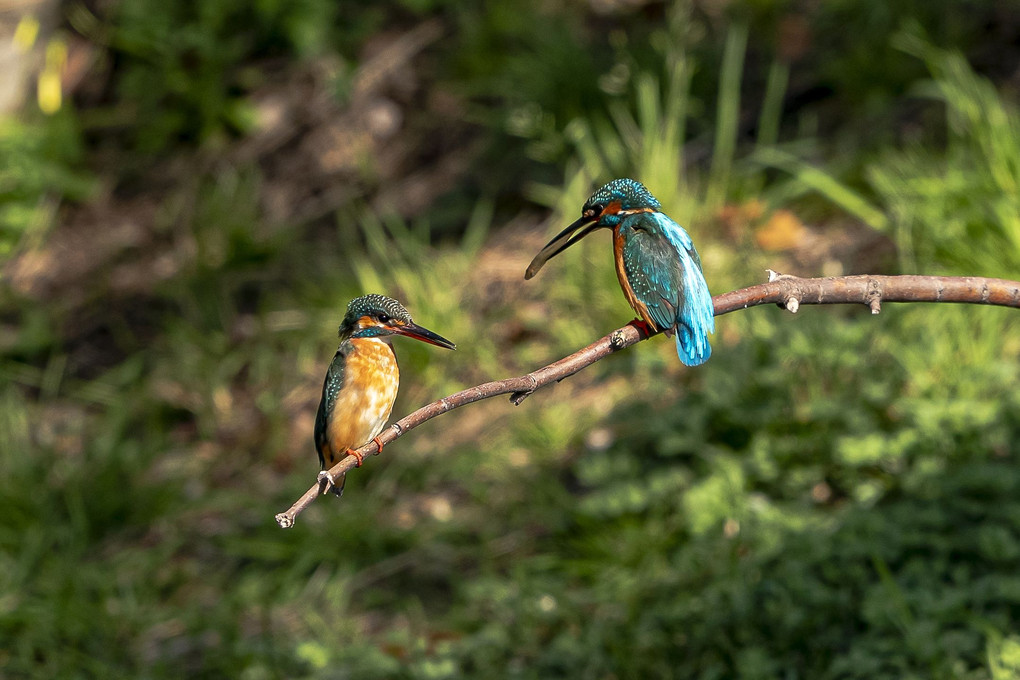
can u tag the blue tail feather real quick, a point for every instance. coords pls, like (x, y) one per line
(692, 350)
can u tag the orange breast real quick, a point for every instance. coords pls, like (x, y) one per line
(371, 378)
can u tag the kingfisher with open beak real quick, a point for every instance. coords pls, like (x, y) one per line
(362, 380)
(656, 263)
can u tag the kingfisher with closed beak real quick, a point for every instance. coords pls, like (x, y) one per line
(362, 380)
(656, 263)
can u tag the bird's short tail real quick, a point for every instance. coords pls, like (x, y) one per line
(695, 320)
(692, 345)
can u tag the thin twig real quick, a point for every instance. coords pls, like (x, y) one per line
(789, 292)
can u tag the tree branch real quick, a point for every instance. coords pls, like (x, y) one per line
(789, 292)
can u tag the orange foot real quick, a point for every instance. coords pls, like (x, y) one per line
(360, 458)
(379, 444)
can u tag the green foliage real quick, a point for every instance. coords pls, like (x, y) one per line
(183, 63)
(973, 192)
(1004, 656)
(39, 166)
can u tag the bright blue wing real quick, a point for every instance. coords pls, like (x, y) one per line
(664, 272)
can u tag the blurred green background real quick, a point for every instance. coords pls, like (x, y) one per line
(192, 191)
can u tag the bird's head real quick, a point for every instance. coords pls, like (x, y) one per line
(376, 316)
(605, 209)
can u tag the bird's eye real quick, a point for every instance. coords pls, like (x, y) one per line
(383, 318)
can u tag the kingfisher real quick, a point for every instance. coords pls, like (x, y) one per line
(656, 263)
(362, 380)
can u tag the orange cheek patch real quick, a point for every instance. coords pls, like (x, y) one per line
(612, 208)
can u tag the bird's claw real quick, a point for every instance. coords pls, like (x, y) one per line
(357, 456)
(327, 480)
(378, 444)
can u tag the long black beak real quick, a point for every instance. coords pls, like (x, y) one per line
(413, 330)
(562, 241)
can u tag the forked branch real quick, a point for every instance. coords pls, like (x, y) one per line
(789, 292)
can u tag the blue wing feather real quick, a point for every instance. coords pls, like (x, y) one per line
(664, 271)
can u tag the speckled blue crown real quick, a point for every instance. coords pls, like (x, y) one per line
(373, 305)
(629, 192)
